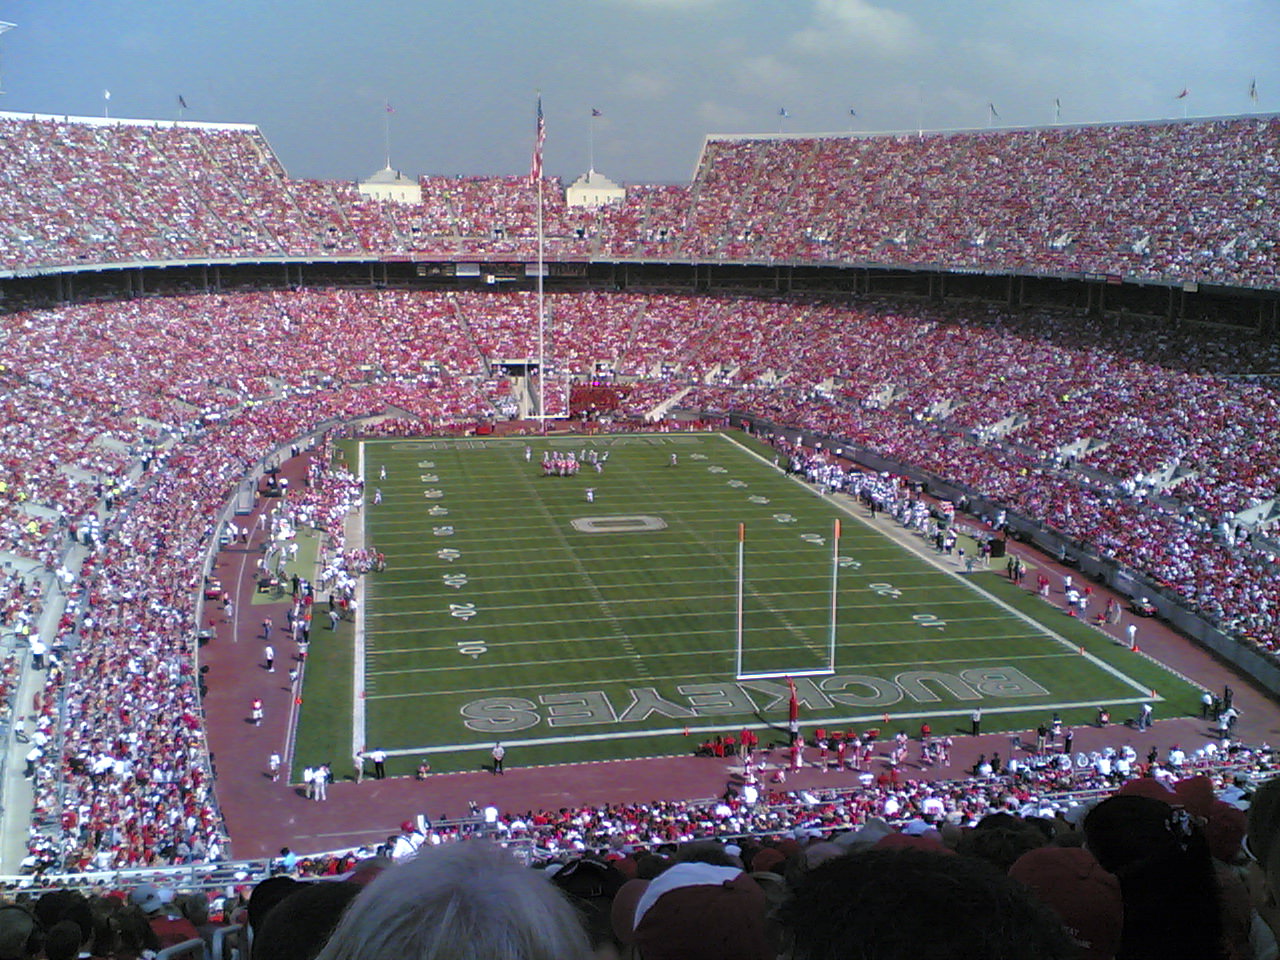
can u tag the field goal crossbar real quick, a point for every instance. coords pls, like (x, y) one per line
(824, 671)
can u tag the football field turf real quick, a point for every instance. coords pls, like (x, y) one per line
(514, 609)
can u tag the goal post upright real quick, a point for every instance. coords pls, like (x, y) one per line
(835, 583)
(742, 538)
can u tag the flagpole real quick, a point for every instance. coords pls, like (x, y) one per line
(387, 132)
(591, 143)
(742, 536)
(542, 317)
(542, 322)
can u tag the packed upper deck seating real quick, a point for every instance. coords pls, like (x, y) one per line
(1169, 201)
(1152, 200)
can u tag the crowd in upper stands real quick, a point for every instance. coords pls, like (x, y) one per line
(1170, 201)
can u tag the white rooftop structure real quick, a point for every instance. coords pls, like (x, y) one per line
(388, 184)
(594, 189)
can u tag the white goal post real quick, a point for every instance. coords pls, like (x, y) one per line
(827, 669)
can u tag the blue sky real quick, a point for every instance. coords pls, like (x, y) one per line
(462, 76)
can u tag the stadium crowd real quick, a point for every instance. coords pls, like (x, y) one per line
(148, 411)
(1106, 199)
(1098, 875)
(1096, 199)
(124, 425)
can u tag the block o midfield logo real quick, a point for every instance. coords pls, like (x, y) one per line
(622, 523)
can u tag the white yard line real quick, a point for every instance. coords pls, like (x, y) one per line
(461, 625)
(666, 601)
(509, 668)
(672, 568)
(508, 644)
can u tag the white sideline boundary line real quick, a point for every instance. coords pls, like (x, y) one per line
(909, 544)
(877, 718)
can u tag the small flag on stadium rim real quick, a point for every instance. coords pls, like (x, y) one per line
(1253, 89)
(596, 113)
(853, 112)
(182, 101)
(992, 107)
(539, 136)
(106, 94)
(389, 107)
(782, 112)
(1186, 91)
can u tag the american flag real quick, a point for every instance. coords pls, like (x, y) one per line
(539, 135)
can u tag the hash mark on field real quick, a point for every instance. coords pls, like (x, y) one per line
(723, 561)
(717, 651)
(615, 624)
(509, 668)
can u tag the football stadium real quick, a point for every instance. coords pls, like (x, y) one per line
(908, 490)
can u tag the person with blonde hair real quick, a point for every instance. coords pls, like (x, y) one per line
(460, 901)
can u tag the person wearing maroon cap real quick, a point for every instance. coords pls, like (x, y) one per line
(1071, 882)
(694, 911)
(852, 906)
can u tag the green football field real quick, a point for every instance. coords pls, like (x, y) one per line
(513, 608)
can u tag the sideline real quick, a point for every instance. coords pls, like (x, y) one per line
(876, 718)
(848, 506)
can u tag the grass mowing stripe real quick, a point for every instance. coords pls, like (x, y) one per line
(529, 673)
